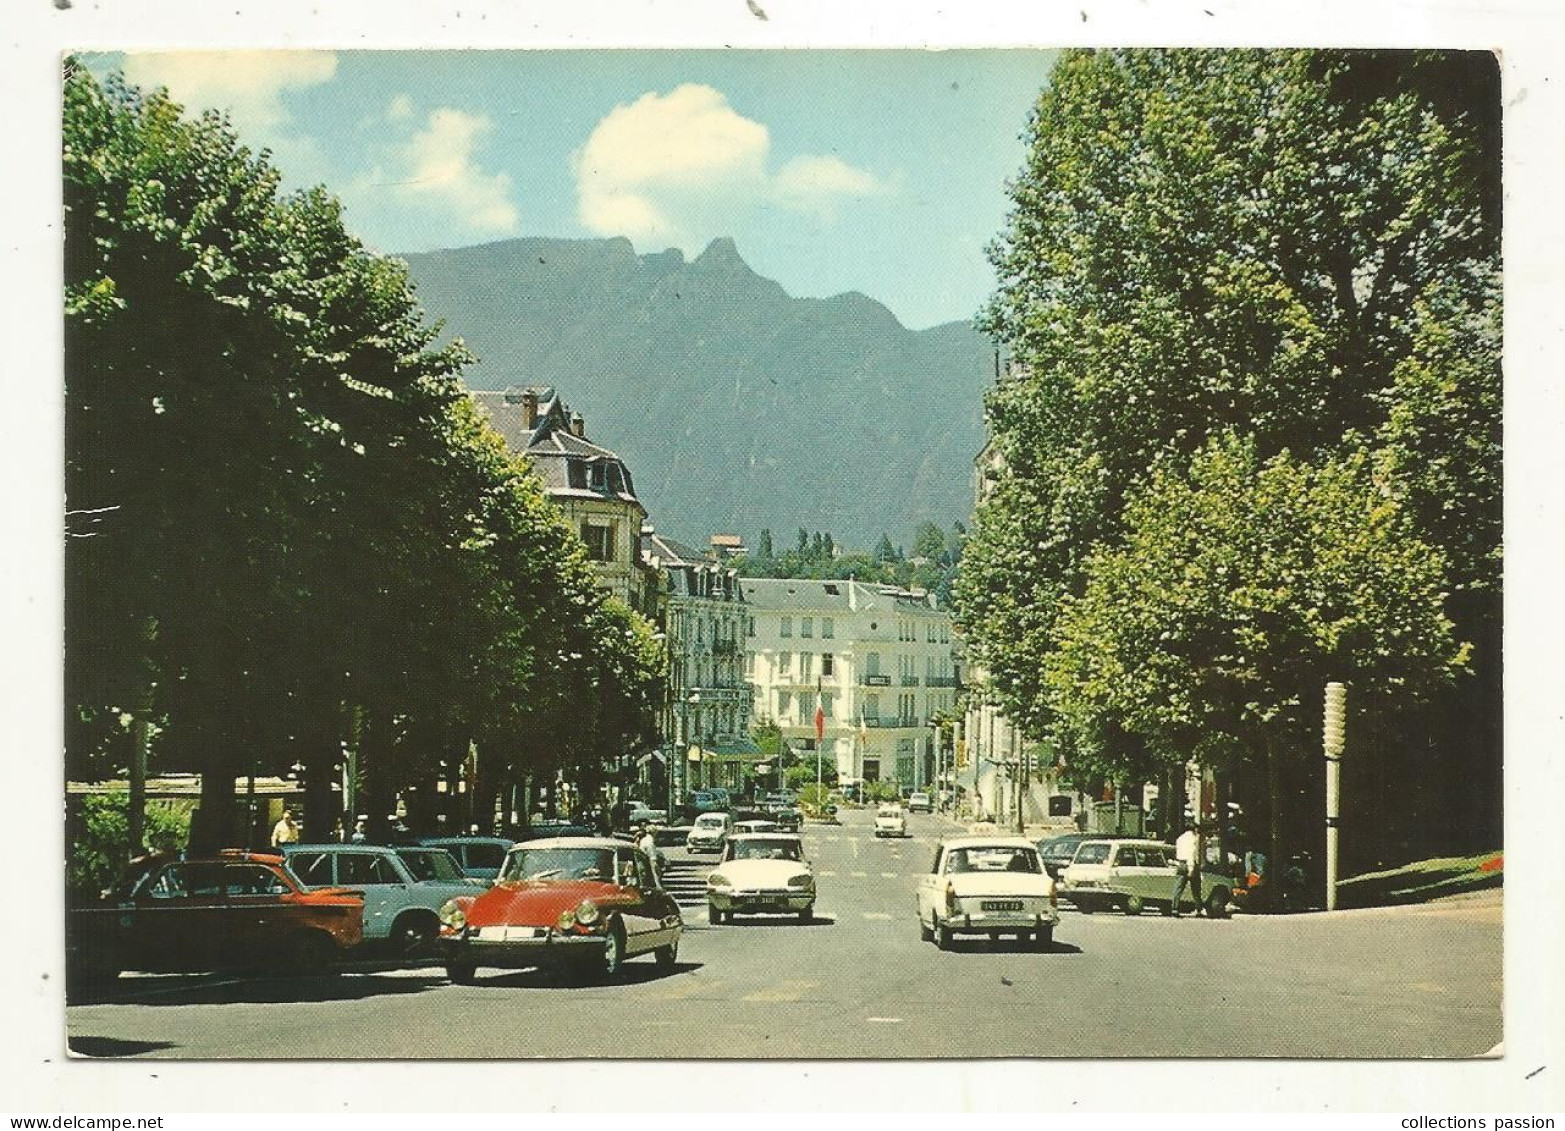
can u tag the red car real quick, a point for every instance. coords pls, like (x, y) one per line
(581, 904)
(234, 910)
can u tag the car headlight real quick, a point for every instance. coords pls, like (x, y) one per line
(806, 881)
(452, 915)
(718, 880)
(567, 920)
(587, 913)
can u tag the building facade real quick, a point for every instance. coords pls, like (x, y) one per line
(707, 721)
(587, 481)
(877, 661)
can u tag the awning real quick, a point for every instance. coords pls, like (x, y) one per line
(741, 751)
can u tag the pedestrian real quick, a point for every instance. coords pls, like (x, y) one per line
(646, 842)
(285, 831)
(339, 831)
(1187, 866)
(360, 830)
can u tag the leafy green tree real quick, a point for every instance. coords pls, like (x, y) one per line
(929, 541)
(1239, 590)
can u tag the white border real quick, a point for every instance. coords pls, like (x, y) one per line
(1529, 34)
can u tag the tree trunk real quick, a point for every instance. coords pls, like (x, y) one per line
(1277, 868)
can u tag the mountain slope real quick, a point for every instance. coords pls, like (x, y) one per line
(736, 406)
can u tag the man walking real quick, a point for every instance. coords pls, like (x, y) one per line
(1187, 864)
(285, 831)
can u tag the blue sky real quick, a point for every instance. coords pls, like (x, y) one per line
(876, 171)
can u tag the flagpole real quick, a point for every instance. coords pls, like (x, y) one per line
(820, 744)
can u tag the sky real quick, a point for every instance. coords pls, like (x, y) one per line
(877, 171)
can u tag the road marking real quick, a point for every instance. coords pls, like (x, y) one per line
(860, 875)
(782, 991)
(877, 915)
(831, 839)
(885, 1020)
(888, 875)
(828, 873)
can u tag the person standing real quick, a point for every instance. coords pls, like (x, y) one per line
(1187, 866)
(285, 831)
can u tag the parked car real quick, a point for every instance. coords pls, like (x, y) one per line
(709, 832)
(581, 904)
(400, 908)
(430, 862)
(233, 910)
(1133, 875)
(787, 816)
(761, 873)
(890, 821)
(642, 815)
(478, 856)
(920, 803)
(992, 885)
(1056, 852)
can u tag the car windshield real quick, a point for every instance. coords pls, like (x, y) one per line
(559, 864)
(709, 822)
(993, 858)
(780, 848)
(890, 811)
(431, 864)
(1091, 854)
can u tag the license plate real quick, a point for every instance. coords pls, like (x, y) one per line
(1000, 905)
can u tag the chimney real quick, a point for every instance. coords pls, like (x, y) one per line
(578, 426)
(530, 409)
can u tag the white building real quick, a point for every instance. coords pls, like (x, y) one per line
(876, 660)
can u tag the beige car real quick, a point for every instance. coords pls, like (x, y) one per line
(890, 821)
(1134, 875)
(987, 885)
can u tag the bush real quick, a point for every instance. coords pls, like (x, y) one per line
(100, 843)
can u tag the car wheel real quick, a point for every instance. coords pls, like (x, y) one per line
(926, 933)
(1085, 906)
(1134, 905)
(1043, 938)
(714, 916)
(667, 956)
(1166, 908)
(311, 952)
(613, 957)
(461, 972)
(1217, 904)
(808, 914)
(412, 934)
(943, 936)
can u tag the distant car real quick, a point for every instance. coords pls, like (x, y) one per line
(709, 832)
(787, 816)
(761, 873)
(754, 826)
(992, 885)
(890, 821)
(581, 904)
(920, 803)
(399, 906)
(478, 856)
(642, 815)
(233, 910)
(549, 830)
(1134, 875)
(1056, 852)
(431, 862)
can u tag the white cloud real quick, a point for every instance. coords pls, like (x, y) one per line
(436, 170)
(401, 107)
(669, 167)
(248, 84)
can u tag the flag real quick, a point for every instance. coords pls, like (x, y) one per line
(820, 715)
(863, 730)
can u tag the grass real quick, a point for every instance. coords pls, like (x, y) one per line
(1423, 880)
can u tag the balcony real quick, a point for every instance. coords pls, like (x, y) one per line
(724, 648)
(909, 681)
(940, 681)
(867, 680)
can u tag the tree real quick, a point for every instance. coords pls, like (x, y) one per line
(766, 552)
(1296, 247)
(929, 541)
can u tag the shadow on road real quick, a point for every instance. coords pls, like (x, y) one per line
(113, 1046)
(219, 989)
(1009, 946)
(546, 978)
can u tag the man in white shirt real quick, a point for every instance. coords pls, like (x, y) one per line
(285, 831)
(1187, 863)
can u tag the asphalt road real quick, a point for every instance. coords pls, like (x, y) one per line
(858, 983)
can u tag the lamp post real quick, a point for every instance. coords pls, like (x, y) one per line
(1335, 741)
(692, 700)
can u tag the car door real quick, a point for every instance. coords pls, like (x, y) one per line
(256, 918)
(928, 885)
(178, 918)
(642, 925)
(384, 892)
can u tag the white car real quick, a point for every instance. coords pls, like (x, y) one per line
(990, 885)
(890, 821)
(709, 832)
(1136, 875)
(761, 873)
(920, 803)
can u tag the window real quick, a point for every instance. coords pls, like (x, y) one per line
(787, 627)
(252, 879)
(827, 663)
(806, 666)
(785, 663)
(945, 633)
(872, 706)
(929, 633)
(806, 627)
(576, 474)
(828, 629)
(599, 540)
(599, 476)
(784, 705)
(827, 706)
(700, 629)
(752, 626)
(354, 868)
(313, 868)
(872, 664)
(1092, 854)
(749, 663)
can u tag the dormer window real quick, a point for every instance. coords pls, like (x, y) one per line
(599, 474)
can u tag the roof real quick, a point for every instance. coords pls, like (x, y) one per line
(997, 840)
(670, 552)
(576, 842)
(850, 596)
(561, 458)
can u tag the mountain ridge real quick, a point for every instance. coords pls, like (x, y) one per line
(736, 405)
